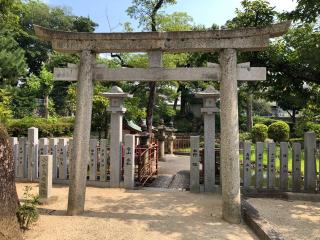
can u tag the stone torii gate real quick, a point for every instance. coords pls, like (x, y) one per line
(226, 42)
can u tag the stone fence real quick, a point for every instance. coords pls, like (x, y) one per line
(269, 166)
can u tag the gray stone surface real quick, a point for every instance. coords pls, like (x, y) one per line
(284, 166)
(186, 41)
(33, 153)
(129, 161)
(296, 166)
(259, 164)
(246, 164)
(104, 157)
(52, 150)
(81, 136)
(310, 161)
(45, 179)
(93, 159)
(230, 169)
(22, 171)
(194, 164)
(271, 171)
(116, 97)
(15, 152)
(62, 158)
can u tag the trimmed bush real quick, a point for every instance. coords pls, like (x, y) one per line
(245, 136)
(53, 127)
(279, 131)
(259, 133)
(263, 120)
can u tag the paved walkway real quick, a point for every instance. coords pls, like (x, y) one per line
(174, 173)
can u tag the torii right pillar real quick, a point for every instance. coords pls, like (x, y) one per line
(230, 169)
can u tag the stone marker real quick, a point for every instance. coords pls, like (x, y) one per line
(53, 142)
(62, 159)
(271, 165)
(259, 164)
(69, 154)
(15, 151)
(284, 166)
(22, 171)
(116, 97)
(296, 166)
(129, 161)
(161, 137)
(310, 176)
(45, 180)
(194, 164)
(246, 164)
(104, 158)
(33, 153)
(209, 111)
(93, 159)
(43, 146)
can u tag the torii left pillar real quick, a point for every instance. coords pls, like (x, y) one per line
(81, 137)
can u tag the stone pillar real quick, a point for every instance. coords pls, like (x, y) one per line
(194, 164)
(45, 181)
(209, 111)
(230, 169)
(310, 176)
(15, 151)
(81, 136)
(33, 153)
(171, 137)
(161, 136)
(116, 97)
(129, 161)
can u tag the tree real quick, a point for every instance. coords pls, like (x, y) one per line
(255, 13)
(306, 11)
(9, 227)
(146, 12)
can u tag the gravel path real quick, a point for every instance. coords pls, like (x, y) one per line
(294, 220)
(135, 215)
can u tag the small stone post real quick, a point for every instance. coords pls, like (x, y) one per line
(171, 137)
(45, 181)
(129, 161)
(161, 136)
(116, 97)
(33, 153)
(15, 151)
(209, 111)
(194, 164)
(81, 136)
(310, 176)
(230, 169)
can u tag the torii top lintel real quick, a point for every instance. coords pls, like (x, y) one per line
(246, 39)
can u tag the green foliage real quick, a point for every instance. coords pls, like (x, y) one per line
(263, 120)
(306, 11)
(27, 212)
(52, 127)
(243, 136)
(259, 133)
(279, 131)
(12, 60)
(5, 101)
(307, 126)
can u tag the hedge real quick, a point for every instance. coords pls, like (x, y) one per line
(279, 131)
(259, 133)
(53, 127)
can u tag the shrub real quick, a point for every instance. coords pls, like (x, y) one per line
(263, 120)
(244, 136)
(259, 133)
(279, 131)
(27, 212)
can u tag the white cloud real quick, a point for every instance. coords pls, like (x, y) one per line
(283, 5)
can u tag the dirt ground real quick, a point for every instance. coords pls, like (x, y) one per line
(144, 214)
(293, 219)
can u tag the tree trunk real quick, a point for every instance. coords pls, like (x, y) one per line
(46, 106)
(9, 202)
(151, 102)
(249, 113)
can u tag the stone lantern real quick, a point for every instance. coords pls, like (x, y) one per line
(209, 110)
(161, 136)
(171, 137)
(117, 109)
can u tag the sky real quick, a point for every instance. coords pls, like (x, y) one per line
(204, 12)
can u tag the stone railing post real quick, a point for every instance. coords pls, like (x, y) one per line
(310, 176)
(33, 153)
(209, 111)
(194, 164)
(81, 136)
(230, 169)
(45, 178)
(116, 97)
(129, 161)
(161, 137)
